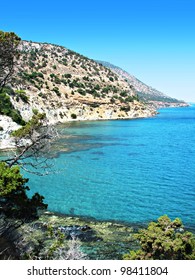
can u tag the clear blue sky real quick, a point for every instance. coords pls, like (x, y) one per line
(153, 40)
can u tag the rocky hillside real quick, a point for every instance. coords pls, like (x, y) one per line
(146, 93)
(68, 86)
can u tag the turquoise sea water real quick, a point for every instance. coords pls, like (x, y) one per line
(125, 170)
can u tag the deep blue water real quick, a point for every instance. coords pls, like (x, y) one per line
(125, 170)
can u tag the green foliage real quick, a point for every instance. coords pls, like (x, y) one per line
(123, 94)
(97, 87)
(35, 123)
(10, 179)
(22, 95)
(81, 91)
(56, 90)
(68, 76)
(7, 109)
(112, 100)
(40, 94)
(64, 61)
(35, 111)
(125, 108)
(136, 97)
(73, 116)
(85, 78)
(5, 37)
(31, 64)
(129, 99)
(14, 201)
(106, 89)
(55, 78)
(164, 240)
(32, 76)
(75, 83)
(8, 51)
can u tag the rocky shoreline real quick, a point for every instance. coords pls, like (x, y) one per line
(8, 126)
(89, 239)
(98, 240)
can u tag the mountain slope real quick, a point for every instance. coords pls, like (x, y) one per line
(146, 93)
(66, 86)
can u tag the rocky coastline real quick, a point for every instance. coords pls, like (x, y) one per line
(103, 240)
(7, 125)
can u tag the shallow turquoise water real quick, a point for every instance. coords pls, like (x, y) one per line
(125, 170)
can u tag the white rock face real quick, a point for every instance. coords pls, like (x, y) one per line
(8, 126)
